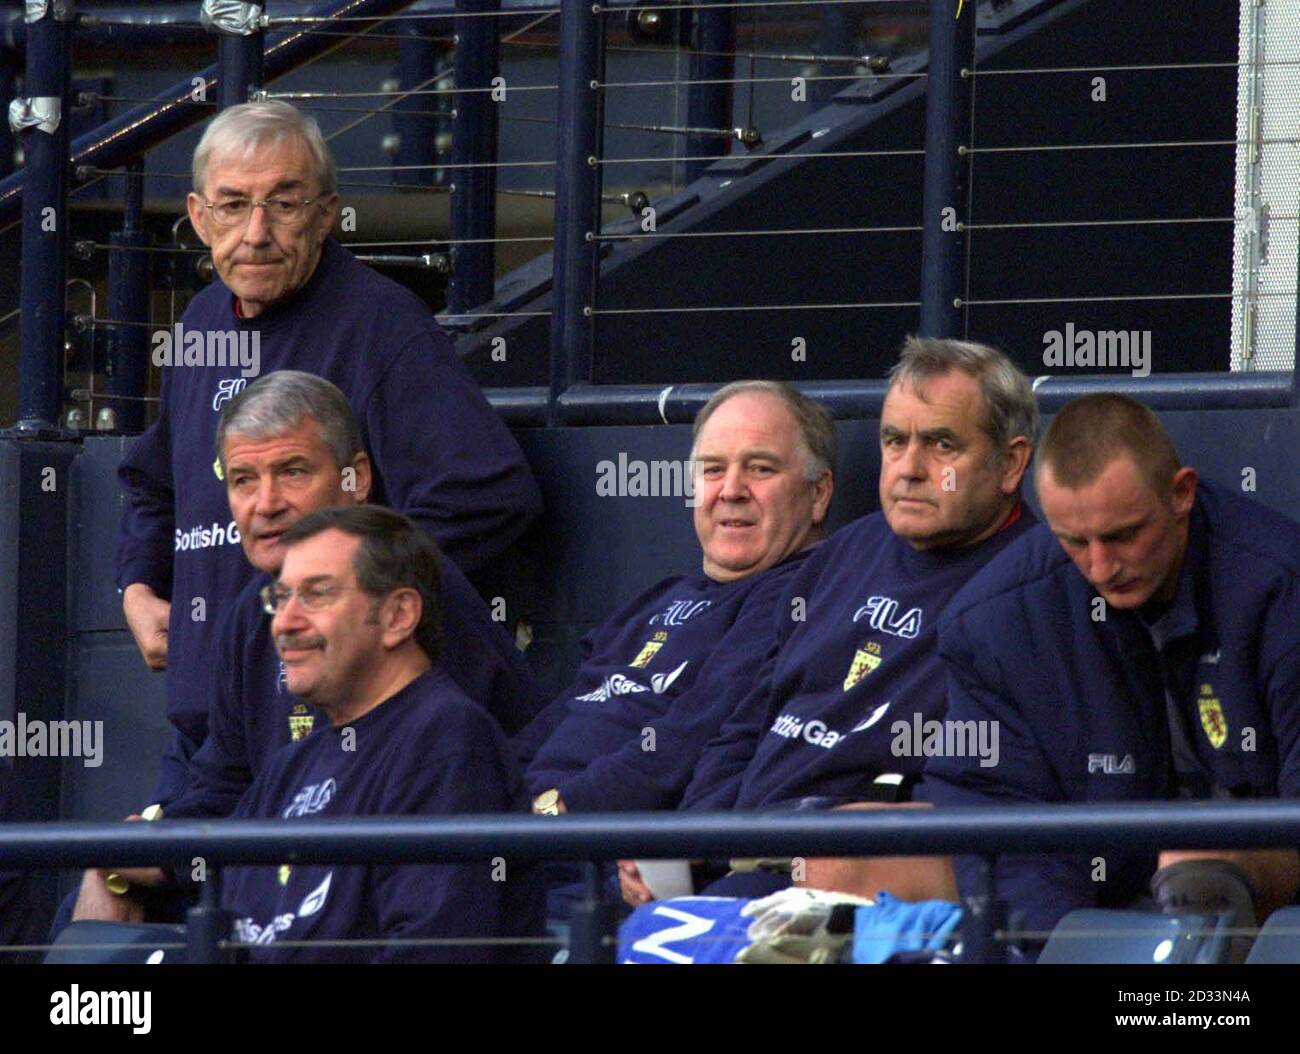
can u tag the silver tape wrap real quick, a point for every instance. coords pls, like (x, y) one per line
(231, 16)
(43, 112)
(35, 10)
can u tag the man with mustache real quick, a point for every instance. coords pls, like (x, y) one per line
(854, 655)
(1144, 644)
(264, 201)
(283, 445)
(289, 446)
(355, 619)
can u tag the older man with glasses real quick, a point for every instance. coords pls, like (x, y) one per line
(264, 201)
(356, 621)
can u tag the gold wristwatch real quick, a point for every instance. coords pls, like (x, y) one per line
(547, 803)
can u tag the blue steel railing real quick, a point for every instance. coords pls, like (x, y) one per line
(246, 63)
(649, 404)
(981, 832)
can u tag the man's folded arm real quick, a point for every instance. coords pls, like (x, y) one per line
(651, 771)
(715, 786)
(145, 541)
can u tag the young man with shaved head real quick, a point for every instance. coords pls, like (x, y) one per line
(1143, 645)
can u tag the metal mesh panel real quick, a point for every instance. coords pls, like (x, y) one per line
(1267, 187)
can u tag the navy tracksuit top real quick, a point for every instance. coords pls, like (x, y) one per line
(1082, 703)
(854, 659)
(428, 750)
(656, 681)
(441, 454)
(252, 714)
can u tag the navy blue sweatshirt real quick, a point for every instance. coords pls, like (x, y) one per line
(1083, 706)
(823, 720)
(253, 715)
(428, 750)
(441, 454)
(656, 681)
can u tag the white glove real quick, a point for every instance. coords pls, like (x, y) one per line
(791, 927)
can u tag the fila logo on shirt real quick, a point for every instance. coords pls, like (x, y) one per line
(881, 614)
(311, 799)
(227, 390)
(680, 611)
(1111, 765)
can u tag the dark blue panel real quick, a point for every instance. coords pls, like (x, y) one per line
(96, 508)
(9, 594)
(598, 552)
(111, 684)
(588, 556)
(1221, 444)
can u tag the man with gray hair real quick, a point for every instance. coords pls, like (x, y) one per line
(673, 663)
(852, 690)
(289, 446)
(290, 296)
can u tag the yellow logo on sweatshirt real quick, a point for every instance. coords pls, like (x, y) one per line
(866, 659)
(1212, 719)
(649, 649)
(301, 721)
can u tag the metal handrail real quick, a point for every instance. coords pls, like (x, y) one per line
(643, 404)
(983, 831)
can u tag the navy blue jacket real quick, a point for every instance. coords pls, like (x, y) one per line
(656, 681)
(854, 655)
(428, 750)
(441, 454)
(252, 714)
(1081, 703)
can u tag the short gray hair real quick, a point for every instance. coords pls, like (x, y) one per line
(816, 427)
(1009, 406)
(282, 400)
(244, 128)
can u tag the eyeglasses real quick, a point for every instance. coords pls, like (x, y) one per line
(281, 212)
(314, 597)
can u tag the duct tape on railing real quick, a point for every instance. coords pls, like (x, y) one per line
(231, 16)
(35, 10)
(43, 112)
